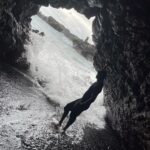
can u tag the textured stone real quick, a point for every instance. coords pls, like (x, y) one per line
(15, 17)
(123, 40)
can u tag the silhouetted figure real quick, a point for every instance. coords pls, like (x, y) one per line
(78, 106)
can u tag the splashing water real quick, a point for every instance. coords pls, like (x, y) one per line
(65, 73)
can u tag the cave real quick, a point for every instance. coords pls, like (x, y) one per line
(121, 33)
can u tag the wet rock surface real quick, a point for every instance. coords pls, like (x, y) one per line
(124, 41)
(121, 31)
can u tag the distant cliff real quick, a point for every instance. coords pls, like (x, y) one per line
(83, 47)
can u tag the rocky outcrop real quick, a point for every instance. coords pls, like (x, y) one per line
(121, 31)
(37, 31)
(83, 47)
(15, 17)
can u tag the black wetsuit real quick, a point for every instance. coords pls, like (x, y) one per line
(78, 106)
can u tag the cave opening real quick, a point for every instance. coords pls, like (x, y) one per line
(56, 59)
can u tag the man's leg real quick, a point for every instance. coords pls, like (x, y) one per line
(67, 108)
(66, 111)
(71, 120)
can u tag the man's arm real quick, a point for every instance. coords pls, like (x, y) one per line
(89, 92)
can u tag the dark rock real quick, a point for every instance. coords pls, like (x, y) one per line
(15, 17)
(42, 34)
(35, 31)
(121, 33)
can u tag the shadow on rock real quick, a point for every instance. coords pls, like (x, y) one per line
(93, 139)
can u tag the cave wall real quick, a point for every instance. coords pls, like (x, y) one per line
(15, 17)
(121, 32)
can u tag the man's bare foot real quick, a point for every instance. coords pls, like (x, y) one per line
(57, 126)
